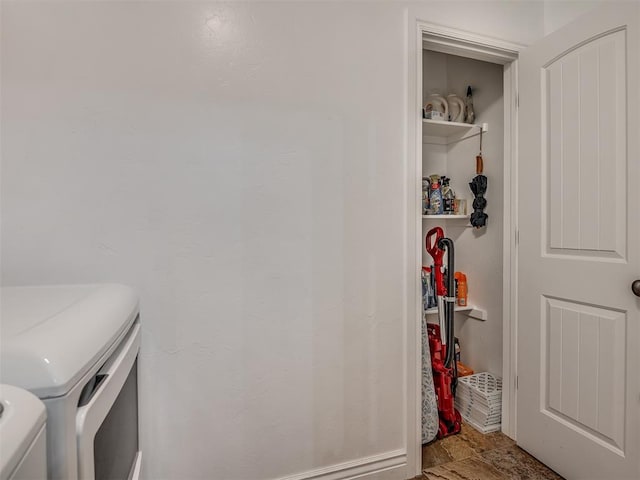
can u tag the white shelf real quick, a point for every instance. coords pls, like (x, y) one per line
(457, 308)
(439, 132)
(446, 217)
(470, 310)
(439, 128)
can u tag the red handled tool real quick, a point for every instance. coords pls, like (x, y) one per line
(433, 239)
(441, 337)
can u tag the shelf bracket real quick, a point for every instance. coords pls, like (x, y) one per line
(477, 313)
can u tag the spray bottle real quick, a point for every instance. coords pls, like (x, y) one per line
(435, 196)
(448, 197)
(461, 289)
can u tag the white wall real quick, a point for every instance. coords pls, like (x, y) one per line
(560, 12)
(248, 179)
(519, 21)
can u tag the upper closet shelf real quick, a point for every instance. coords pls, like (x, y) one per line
(444, 133)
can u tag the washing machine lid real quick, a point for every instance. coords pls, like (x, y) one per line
(23, 417)
(52, 335)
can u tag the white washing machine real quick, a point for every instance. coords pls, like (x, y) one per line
(76, 348)
(23, 454)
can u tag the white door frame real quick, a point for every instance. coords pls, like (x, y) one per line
(448, 40)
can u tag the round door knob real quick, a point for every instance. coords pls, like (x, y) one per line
(635, 288)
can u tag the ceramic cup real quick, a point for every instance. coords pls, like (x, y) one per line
(456, 108)
(460, 206)
(436, 107)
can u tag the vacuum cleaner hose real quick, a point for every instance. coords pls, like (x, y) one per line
(449, 306)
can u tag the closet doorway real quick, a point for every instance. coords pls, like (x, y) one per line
(446, 61)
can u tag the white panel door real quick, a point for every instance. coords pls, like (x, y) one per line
(579, 245)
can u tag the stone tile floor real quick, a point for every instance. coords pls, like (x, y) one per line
(471, 455)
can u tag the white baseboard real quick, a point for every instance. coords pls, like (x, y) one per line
(388, 466)
(137, 467)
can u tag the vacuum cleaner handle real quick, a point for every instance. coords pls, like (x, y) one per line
(434, 236)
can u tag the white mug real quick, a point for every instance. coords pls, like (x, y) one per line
(456, 107)
(437, 103)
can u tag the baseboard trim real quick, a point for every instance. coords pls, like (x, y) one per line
(136, 470)
(360, 468)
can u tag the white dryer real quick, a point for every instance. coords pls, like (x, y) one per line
(76, 348)
(23, 454)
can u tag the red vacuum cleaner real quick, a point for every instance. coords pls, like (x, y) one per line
(441, 336)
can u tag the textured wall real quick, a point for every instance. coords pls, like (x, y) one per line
(242, 166)
(560, 12)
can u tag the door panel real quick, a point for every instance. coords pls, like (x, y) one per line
(578, 398)
(584, 367)
(584, 91)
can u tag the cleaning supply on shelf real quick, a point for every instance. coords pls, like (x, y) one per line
(435, 196)
(426, 187)
(448, 197)
(438, 197)
(461, 289)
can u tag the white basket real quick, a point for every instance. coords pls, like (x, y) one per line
(479, 401)
(489, 429)
(482, 387)
(477, 415)
(488, 408)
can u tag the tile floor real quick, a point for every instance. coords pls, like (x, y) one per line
(471, 455)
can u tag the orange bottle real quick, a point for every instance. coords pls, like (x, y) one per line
(461, 290)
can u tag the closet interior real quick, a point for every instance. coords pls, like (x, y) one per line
(450, 146)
